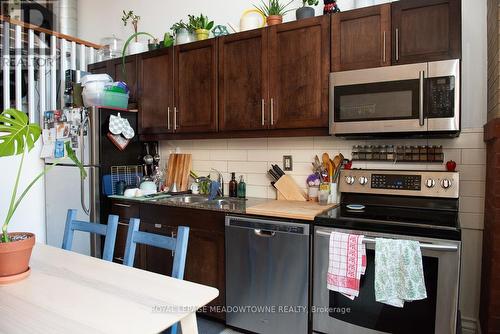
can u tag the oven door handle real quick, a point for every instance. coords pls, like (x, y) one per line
(432, 247)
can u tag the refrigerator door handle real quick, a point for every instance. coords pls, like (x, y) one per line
(82, 197)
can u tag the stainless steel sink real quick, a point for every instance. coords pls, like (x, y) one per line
(188, 199)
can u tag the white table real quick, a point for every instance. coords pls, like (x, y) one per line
(72, 293)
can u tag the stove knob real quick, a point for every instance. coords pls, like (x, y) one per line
(445, 183)
(430, 183)
(363, 180)
(350, 179)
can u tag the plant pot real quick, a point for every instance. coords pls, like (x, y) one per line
(274, 20)
(304, 13)
(137, 47)
(202, 34)
(15, 257)
(183, 36)
(153, 46)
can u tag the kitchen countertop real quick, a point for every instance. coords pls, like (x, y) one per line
(236, 206)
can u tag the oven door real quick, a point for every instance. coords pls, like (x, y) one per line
(378, 100)
(333, 313)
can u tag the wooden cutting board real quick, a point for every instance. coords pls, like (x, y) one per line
(178, 168)
(289, 209)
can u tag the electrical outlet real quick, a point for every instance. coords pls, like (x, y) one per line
(287, 163)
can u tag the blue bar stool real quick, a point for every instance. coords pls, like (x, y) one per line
(109, 231)
(178, 245)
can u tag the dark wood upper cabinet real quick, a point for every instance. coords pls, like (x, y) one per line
(196, 87)
(99, 68)
(299, 57)
(126, 73)
(156, 91)
(243, 81)
(361, 38)
(426, 30)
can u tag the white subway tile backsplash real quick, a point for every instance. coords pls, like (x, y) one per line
(248, 143)
(228, 155)
(253, 157)
(474, 156)
(472, 188)
(247, 166)
(472, 172)
(471, 204)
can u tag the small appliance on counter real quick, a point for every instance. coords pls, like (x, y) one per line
(409, 205)
(406, 99)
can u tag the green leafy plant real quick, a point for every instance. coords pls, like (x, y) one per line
(310, 2)
(200, 22)
(274, 7)
(168, 40)
(134, 19)
(18, 137)
(176, 27)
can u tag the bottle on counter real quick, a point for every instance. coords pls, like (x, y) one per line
(233, 186)
(242, 188)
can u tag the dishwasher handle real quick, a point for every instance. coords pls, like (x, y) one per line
(267, 228)
(264, 233)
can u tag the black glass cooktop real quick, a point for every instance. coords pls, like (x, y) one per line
(413, 216)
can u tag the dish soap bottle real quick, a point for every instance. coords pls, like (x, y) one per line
(242, 188)
(233, 185)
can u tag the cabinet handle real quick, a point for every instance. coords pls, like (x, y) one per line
(157, 225)
(397, 44)
(168, 118)
(384, 57)
(272, 111)
(122, 205)
(263, 107)
(175, 118)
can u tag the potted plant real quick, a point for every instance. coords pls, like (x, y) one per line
(18, 137)
(201, 25)
(135, 46)
(183, 32)
(305, 11)
(168, 40)
(273, 10)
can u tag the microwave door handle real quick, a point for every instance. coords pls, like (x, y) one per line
(421, 98)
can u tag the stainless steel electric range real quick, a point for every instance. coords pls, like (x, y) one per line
(416, 205)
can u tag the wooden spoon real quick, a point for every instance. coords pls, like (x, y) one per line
(328, 165)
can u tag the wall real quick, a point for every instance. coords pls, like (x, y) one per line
(252, 157)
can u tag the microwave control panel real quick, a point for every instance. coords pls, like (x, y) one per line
(441, 97)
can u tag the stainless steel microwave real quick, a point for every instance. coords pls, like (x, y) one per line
(409, 99)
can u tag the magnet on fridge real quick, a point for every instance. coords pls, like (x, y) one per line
(59, 149)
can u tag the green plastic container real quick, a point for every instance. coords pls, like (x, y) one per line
(116, 100)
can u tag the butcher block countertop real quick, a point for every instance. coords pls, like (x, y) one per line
(289, 209)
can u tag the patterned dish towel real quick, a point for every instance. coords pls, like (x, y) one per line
(399, 275)
(347, 262)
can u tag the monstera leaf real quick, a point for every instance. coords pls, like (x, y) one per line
(16, 133)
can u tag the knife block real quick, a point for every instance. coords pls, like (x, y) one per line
(287, 189)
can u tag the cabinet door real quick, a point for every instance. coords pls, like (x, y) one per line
(426, 30)
(156, 91)
(126, 73)
(99, 68)
(299, 55)
(158, 260)
(195, 87)
(243, 81)
(205, 263)
(361, 38)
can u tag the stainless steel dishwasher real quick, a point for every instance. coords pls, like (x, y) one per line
(267, 275)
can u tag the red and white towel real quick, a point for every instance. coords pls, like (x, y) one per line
(347, 262)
